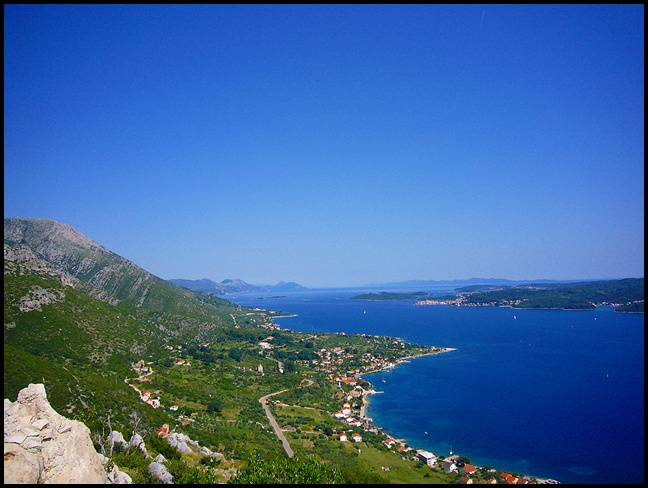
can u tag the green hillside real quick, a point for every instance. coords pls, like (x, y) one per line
(626, 295)
(78, 318)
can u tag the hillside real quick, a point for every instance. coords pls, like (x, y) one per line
(120, 349)
(625, 295)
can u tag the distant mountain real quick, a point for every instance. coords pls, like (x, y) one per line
(283, 286)
(459, 283)
(208, 286)
(228, 286)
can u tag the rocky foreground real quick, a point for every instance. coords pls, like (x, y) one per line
(41, 446)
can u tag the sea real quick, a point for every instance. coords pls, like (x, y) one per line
(554, 394)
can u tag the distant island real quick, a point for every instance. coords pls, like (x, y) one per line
(385, 295)
(625, 295)
(229, 286)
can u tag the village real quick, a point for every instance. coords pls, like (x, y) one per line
(353, 413)
(356, 391)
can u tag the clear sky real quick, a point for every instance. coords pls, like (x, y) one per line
(334, 145)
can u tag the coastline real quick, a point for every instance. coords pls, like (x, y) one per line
(367, 393)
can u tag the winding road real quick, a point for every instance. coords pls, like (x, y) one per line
(263, 401)
(274, 423)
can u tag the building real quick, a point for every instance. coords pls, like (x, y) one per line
(427, 457)
(449, 467)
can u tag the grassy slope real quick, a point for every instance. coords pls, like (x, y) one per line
(83, 350)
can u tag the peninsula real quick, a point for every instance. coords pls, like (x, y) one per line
(625, 295)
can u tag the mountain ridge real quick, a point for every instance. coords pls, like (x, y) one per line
(228, 286)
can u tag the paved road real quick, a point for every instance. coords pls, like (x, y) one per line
(274, 423)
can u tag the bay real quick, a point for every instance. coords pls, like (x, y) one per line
(547, 393)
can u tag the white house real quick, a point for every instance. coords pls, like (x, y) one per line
(427, 457)
(449, 467)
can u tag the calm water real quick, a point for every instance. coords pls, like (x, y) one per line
(549, 393)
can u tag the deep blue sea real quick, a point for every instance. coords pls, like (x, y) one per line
(547, 393)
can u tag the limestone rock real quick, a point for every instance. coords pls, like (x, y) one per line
(61, 453)
(160, 471)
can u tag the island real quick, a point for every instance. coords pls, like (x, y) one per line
(625, 295)
(385, 295)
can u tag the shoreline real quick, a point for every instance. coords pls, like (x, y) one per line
(367, 393)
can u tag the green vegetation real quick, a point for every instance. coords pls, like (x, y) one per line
(625, 295)
(281, 470)
(94, 328)
(79, 318)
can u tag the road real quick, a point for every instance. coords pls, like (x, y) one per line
(274, 423)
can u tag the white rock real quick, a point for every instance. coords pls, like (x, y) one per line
(28, 432)
(67, 457)
(16, 438)
(40, 424)
(160, 471)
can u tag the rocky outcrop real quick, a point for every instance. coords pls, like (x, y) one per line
(161, 472)
(41, 446)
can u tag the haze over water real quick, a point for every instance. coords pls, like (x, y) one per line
(548, 393)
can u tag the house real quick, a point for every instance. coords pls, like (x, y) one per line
(427, 457)
(509, 478)
(356, 437)
(163, 431)
(449, 467)
(469, 469)
(340, 415)
(465, 480)
(343, 437)
(260, 369)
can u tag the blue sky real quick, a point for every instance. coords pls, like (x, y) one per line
(334, 145)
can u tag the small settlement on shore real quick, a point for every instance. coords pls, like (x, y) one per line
(353, 412)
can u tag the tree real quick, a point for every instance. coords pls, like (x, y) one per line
(214, 406)
(235, 354)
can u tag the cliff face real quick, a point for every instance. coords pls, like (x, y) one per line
(41, 446)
